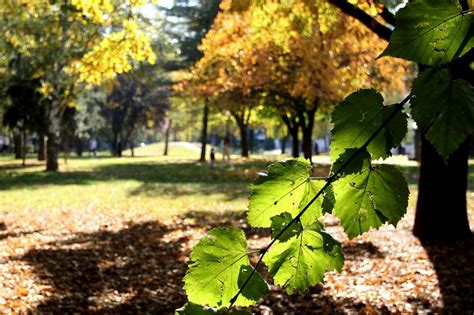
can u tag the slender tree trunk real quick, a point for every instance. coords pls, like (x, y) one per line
(292, 127)
(244, 141)
(132, 148)
(23, 146)
(283, 144)
(65, 147)
(441, 205)
(41, 147)
(116, 145)
(17, 145)
(205, 118)
(79, 148)
(167, 137)
(307, 124)
(52, 164)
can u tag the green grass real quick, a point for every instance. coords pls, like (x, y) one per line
(148, 183)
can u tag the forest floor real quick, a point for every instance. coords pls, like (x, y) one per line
(113, 235)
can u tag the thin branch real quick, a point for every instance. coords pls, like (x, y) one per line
(329, 181)
(378, 28)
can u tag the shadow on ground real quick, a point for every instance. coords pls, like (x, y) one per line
(453, 263)
(138, 269)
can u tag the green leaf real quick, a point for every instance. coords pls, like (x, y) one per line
(444, 107)
(218, 267)
(286, 187)
(195, 309)
(370, 198)
(355, 166)
(302, 260)
(431, 32)
(358, 117)
(278, 224)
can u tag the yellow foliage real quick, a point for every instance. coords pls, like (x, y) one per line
(114, 54)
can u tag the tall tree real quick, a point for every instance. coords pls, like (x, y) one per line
(70, 41)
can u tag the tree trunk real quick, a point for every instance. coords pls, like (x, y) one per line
(23, 146)
(41, 147)
(295, 147)
(205, 118)
(292, 126)
(52, 164)
(132, 148)
(441, 209)
(244, 141)
(167, 137)
(79, 148)
(283, 144)
(307, 124)
(441, 206)
(17, 145)
(65, 147)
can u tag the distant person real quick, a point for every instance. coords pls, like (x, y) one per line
(316, 148)
(226, 150)
(213, 157)
(93, 147)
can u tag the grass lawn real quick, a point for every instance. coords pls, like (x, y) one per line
(113, 235)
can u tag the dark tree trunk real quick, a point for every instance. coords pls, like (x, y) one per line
(167, 137)
(52, 153)
(52, 145)
(283, 144)
(292, 126)
(117, 146)
(23, 146)
(41, 147)
(441, 206)
(205, 118)
(17, 145)
(295, 148)
(441, 210)
(79, 147)
(132, 148)
(244, 141)
(307, 124)
(65, 147)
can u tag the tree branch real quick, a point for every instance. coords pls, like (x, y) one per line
(378, 28)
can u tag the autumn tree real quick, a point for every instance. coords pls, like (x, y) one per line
(304, 57)
(69, 42)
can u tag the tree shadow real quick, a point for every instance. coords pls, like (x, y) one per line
(5, 235)
(139, 269)
(129, 270)
(453, 263)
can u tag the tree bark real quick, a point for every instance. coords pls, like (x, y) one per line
(17, 145)
(283, 144)
(244, 141)
(441, 210)
(65, 147)
(132, 148)
(205, 119)
(292, 126)
(307, 124)
(41, 147)
(441, 206)
(167, 137)
(52, 164)
(79, 148)
(23, 146)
